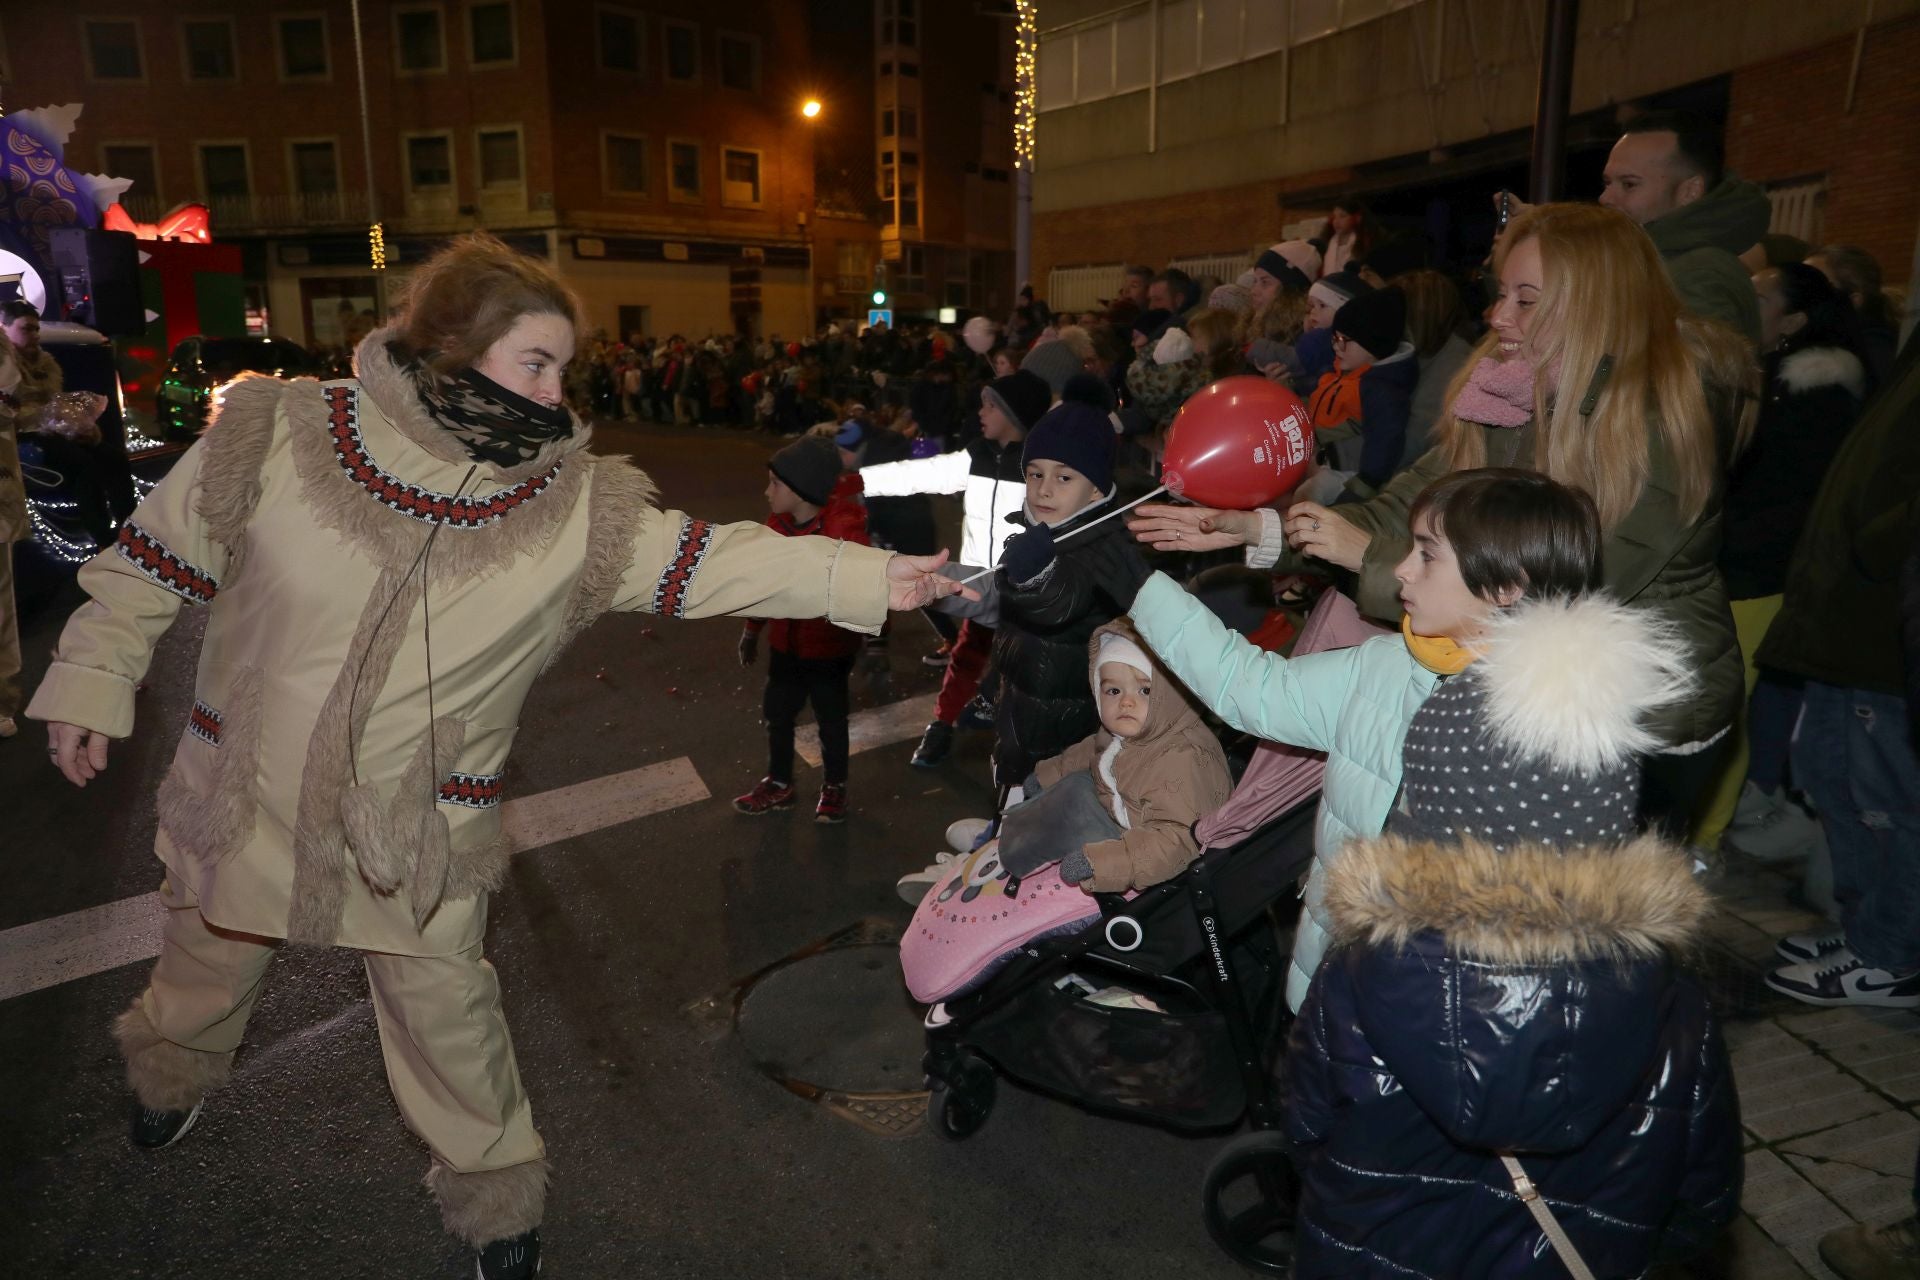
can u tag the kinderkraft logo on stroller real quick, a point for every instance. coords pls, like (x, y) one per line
(1165, 1006)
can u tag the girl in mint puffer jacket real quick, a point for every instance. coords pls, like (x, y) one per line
(1483, 540)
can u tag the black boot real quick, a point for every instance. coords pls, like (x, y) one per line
(155, 1129)
(517, 1258)
(935, 743)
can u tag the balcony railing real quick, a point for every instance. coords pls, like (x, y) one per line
(319, 209)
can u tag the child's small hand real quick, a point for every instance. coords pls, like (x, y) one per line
(1027, 555)
(749, 648)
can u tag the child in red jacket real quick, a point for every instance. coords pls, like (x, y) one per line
(808, 659)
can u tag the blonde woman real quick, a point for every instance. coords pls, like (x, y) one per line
(1591, 375)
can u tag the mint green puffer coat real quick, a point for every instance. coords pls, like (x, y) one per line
(1354, 704)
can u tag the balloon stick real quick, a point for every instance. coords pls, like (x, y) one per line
(1118, 511)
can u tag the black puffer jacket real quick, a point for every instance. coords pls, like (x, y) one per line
(1813, 397)
(1040, 648)
(1527, 1002)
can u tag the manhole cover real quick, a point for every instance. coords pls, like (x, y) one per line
(838, 1021)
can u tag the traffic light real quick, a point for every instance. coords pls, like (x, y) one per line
(880, 284)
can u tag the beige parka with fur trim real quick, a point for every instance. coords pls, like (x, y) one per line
(309, 798)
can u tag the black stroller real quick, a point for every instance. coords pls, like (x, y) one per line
(1201, 945)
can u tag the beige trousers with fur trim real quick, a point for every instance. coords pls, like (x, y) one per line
(449, 1058)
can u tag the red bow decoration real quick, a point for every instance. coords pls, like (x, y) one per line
(188, 223)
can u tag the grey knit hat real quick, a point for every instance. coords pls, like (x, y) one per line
(1459, 780)
(1054, 362)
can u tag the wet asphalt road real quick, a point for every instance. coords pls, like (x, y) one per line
(673, 1153)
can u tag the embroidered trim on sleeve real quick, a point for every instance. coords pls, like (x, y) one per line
(150, 556)
(670, 593)
(205, 723)
(472, 790)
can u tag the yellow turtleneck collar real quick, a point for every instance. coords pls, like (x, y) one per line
(1437, 654)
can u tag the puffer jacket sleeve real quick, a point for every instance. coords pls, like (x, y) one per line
(1293, 700)
(1709, 1194)
(1065, 590)
(1160, 847)
(688, 568)
(165, 556)
(1077, 758)
(943, 473)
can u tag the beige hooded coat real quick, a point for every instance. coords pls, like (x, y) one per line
(310, 798)
(1167, 778)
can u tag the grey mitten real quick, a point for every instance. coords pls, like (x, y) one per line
(1075, 868)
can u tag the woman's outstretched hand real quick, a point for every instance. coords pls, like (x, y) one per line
(914, 582)
(1167, 527)
(80, 754)
(1316, 531)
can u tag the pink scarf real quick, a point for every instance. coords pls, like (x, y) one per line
(1499, 393)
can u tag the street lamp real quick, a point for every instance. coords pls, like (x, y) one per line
(810, 108)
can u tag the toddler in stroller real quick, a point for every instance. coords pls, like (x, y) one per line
(1112, 813)
(1194, 1051)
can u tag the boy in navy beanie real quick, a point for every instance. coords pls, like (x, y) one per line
(1080, 438)
(808, 659)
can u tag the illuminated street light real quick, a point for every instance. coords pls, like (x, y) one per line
(810, 108)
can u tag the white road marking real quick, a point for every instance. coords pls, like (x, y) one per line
(877, 727)
(80, 944)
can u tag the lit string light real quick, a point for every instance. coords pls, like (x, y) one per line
(377, 246)
(49, 538)
(1026, 48)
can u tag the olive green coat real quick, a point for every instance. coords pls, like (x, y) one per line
(1651, 558)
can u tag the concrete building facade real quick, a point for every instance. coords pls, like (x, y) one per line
(656, 152)
(1198, 129)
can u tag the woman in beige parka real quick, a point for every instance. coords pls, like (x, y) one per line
(339, 781)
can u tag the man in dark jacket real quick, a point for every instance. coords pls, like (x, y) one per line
(1839, 628)
(1665, 173)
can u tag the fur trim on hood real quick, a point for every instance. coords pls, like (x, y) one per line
(1531, 906)
(1575, 681)
(1814, 367)
(380, 374)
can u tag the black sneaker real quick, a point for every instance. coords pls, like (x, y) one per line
(514, 1259)
(1841, 977)
(1798, 948)
(978, 714)
(155, 1129)
(935, 744)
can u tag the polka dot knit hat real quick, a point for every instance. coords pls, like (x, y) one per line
(1460, 779)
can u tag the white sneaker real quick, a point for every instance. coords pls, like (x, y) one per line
(916, 885)
(964, 834)
(7, 727)
(1784, 833)
(1844, 978)
(1799, 948)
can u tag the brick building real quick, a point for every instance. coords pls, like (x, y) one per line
(655, 151)
(1231, 123)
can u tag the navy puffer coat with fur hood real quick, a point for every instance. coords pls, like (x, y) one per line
(1490, 995)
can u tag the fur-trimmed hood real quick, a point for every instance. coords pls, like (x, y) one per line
(1489, 973)
(1811, 368)
(1576, 682)
(387, 383)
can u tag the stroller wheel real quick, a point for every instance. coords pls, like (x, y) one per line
(959, 1103)
(1248, 1201)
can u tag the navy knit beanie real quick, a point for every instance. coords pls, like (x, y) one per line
(810, 466)
(1020, 395)
(1078, 436)
(1377, 321)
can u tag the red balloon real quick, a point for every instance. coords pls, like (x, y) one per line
(793, 351)
(1238, 443)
